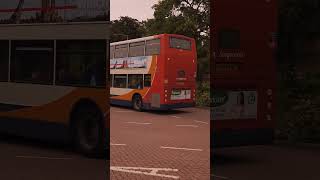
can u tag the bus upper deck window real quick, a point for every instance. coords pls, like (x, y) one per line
(136, 49)
(179, 43)
(121, 51)
(229, 39)
(111, 52)
(153, 47)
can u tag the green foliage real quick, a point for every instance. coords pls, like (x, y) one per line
(299, 108)
(298, 21)
(203, 94)
(126, 27)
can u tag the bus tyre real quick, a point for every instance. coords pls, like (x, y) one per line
(137, 102)
(88, 132)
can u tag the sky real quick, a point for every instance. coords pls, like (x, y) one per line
(138, 9)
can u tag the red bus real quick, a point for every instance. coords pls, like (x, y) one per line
(156, 72)
(243, 73)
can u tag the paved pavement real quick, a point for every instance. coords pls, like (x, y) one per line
(160, 145)
(277, 162)
(25, 159)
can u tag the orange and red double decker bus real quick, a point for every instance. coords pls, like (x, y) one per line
(156, 72)
(243, 77)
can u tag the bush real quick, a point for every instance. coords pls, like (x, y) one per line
(203, 94)
(298, 113)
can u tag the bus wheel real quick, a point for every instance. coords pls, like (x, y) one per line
(89, 132)
(137, 102)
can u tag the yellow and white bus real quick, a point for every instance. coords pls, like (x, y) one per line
(53, 83)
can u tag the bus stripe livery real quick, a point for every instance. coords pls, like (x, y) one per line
(53, 83)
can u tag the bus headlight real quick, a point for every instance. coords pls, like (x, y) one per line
(166, 81)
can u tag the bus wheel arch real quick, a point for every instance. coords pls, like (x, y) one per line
(137, 102)
(87, 128)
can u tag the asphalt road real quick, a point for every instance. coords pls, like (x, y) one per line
(25, 159)
(160, 145)
(276, 162)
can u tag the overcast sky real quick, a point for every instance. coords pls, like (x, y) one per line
(138, 9)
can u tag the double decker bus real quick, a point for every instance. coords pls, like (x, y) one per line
(243, 75)
(53, 82)
(156, 72)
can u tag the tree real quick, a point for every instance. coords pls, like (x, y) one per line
(126, 27)
(298, 19)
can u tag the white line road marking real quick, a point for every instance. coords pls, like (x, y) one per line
(201, 122)
(194, 126)
(39, 157)
(140, 123)
(176, 148)
(112, 144)
(178, 117)
(220, 177)
(141, 170)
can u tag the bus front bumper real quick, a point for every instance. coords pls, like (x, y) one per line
(243, 137)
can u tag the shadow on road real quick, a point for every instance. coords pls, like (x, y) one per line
(157, 112)
(44, 145)
(221, 159)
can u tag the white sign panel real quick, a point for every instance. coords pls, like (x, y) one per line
(228, 105)
(130, 62)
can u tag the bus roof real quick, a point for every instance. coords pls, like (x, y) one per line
(147, 38)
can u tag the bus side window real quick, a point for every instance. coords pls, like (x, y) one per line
(147, 80)
(111, 80)
(121, 51)
(135, 81)
(120, 81)
(136, 49)
(153, 47)
(111, 52)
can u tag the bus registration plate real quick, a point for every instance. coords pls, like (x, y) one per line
(180, 94)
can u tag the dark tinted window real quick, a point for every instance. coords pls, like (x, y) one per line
(4, 60)
(135, 81)
(32, 62)
(120, 81)
(153, 47)
(111, 80)
(179, 43)
(81, 63)
(229, 39)
(147, 80)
